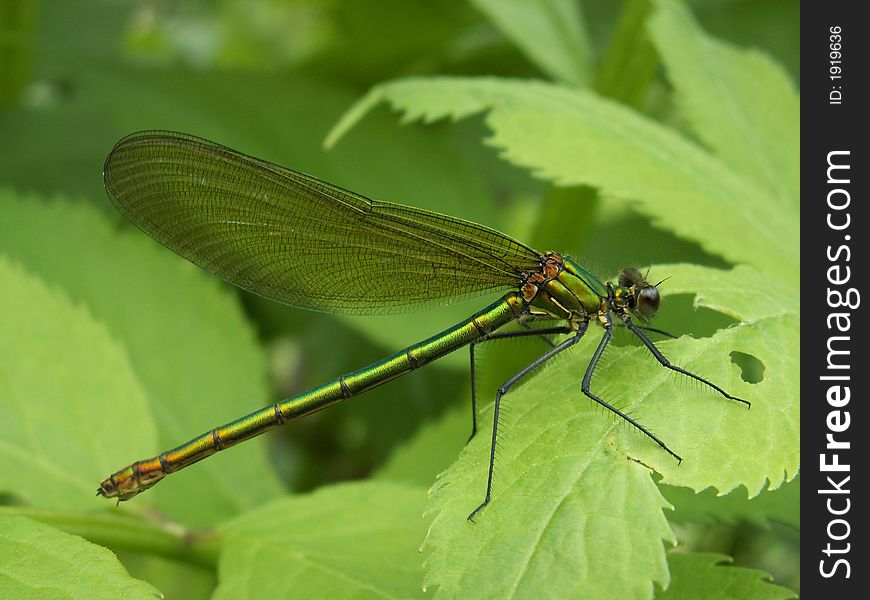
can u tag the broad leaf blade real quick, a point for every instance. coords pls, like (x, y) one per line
(571, 515)
(188, 342)
(69, 400)
(722, 443)
(702, 575)
(318, 546)
(38, 561)
(739, 102)
(782, 505)
(547, 496)
(575, 137)
(742, 292)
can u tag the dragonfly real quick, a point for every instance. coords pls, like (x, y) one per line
(295, 239)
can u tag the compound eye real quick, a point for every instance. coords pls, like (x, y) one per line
(648, 301)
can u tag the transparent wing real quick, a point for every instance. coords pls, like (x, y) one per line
(298, 240)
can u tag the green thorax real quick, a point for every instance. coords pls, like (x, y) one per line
(563, 288)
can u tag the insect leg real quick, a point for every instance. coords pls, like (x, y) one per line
(654, 330)
(506, 386)
(587, 379)
(500, 336)
(666, 363)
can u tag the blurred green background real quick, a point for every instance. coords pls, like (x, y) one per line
(269, 78)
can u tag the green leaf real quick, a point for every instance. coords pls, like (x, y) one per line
(69, 400)
(782, 505)
(575, 137)
(550, 32)
(739, 102)
(723, 444)
(571, 515)
(187, 339)
(701, 575)
(771, 316)
(566, 471)
(319, 546)
(38, 561)
(770, 25)
(758, 297)
(90, 105)
(142, 532)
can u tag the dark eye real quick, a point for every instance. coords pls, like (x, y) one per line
(648, 301)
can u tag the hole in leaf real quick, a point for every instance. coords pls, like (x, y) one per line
(751, 369)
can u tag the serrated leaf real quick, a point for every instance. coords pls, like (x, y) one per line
(574, 137)
(40, 562)
(571, 516)
(723, 444)
(68, 396)
(702, 575)
(547, 494)
(739, 102)
(782, 505)
(550, 32)
(188, 342)
(742, 292)
(319, 545)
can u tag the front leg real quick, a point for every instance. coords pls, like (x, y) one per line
(667, 364)
(587, 380)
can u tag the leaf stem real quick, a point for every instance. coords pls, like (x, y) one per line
(116, 531)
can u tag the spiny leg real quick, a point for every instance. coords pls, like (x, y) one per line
(506, 386)
(527, 326)
(500, 336)
(654, 330)
(587, 379)
(666, 363)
